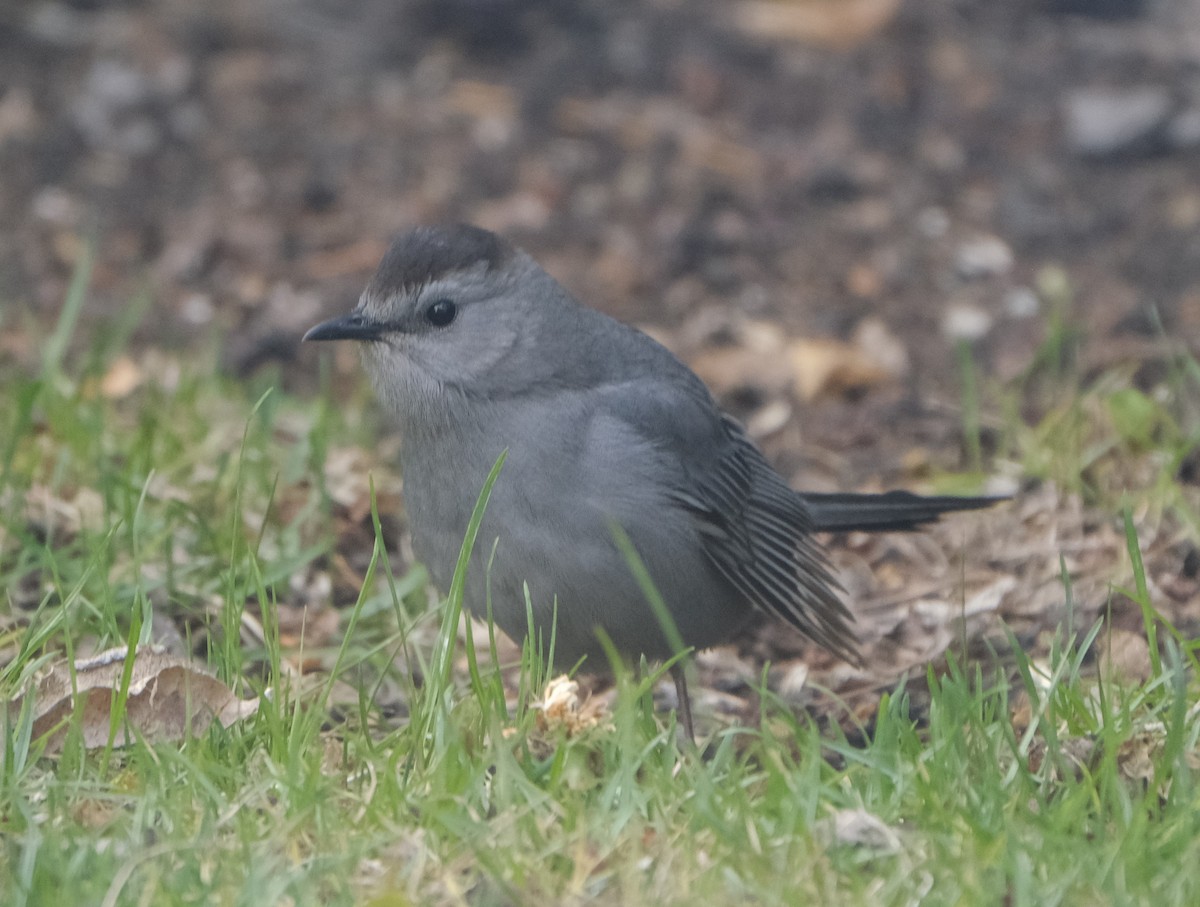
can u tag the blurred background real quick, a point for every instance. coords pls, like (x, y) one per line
(949, 245)
(816, 202)
(945, 245)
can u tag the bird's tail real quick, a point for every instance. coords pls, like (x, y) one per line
(895, 511)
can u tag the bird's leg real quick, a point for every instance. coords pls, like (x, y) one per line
(679, 675)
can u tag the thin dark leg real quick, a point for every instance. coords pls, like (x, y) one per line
(685, 704)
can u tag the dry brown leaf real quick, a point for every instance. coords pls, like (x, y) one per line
(53, 512)
(823, 366)
(95, 814)
(169, 698)
(11, 627)
(1076, 755)
(1137, 756)
(835, 24)
(642, 126)
(123, 377)
(353, 259)
(310, 627)
(754, 359)
(348, 480)
(1125, 656)
(482, 99)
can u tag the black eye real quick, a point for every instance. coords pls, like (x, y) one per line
(441, 312)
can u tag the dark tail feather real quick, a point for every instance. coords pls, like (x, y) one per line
(891, 512)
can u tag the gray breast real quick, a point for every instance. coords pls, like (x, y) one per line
(549, 526)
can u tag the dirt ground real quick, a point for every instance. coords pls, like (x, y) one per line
(813, 201)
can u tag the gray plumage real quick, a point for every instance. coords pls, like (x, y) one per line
(602, 425)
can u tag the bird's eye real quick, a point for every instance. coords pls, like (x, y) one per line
(441, 312)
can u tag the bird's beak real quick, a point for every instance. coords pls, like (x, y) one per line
(355, 326)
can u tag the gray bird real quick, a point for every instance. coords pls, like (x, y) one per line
(476, 350)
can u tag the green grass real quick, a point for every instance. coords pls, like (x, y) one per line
(1100, 436)
(198, 501)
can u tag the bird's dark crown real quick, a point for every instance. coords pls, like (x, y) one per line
(428, 253)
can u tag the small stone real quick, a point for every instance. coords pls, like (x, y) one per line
(768, 419)
(60, 25)
(933, 222)
(1111, 10)
(1021, 302)
(864, 281)
(112, 110)
(859, 828)
(197, 308)
(56, 206)
(18, 114)
(873, 336)
(793, 686)
(188, 120)
(986, 256)
(1183, 132)
(966, 322)
(1125, 655)
(1102, 122)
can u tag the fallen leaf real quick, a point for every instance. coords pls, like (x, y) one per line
(877, 342)
(309, 627)
(1137, 756)
(353, 259)
(122, 378)
(169, 698)
(835, 24)
(348, 480)
(53, 512)
(1125, 656)
(859, 828)
(750, 357)
(482, 99)
(827, 367)
(1140, 757)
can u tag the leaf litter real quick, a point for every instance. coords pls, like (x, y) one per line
(167, 699)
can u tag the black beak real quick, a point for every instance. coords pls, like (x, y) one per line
(354, 326)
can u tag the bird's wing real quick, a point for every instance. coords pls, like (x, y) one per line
(758, 533)
(754, 529)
